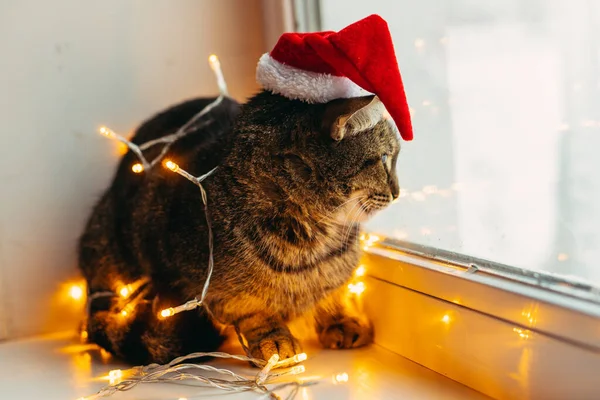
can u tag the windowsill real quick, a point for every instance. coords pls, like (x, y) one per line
(503, 337)
(59, 368)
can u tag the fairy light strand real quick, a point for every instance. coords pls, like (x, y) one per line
(197, 180)
(176, 370)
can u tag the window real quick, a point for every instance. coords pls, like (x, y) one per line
(488, 274)
(505, 96)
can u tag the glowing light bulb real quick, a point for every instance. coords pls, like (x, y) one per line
(76, 292)
(124, 313)
(115, 376)
(167, 312)
(340, 378)
(264, 373)
(171, 165)
(125, 291)
(137, 168)
(360, 271)
(356, 288)
(299, 369)
(292, 360)
(84, 335)
(106, 132)
(213, 58)
(372, 239)
(446, 319)
(522, 333)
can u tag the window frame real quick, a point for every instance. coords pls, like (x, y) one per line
(564, 308)
(483, 324)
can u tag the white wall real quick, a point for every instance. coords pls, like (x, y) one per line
(66, 67)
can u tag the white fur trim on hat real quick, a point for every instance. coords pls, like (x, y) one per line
(295, 83)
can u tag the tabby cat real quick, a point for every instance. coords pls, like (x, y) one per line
(294, 181)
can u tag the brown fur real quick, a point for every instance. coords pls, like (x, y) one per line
(285, 203)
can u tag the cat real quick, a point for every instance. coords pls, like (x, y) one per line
(293, 184)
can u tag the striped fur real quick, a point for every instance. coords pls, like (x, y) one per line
(286, 203)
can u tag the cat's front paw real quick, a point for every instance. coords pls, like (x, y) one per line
(346, 334)
(277, 341)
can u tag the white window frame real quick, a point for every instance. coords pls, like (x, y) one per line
(506, 332)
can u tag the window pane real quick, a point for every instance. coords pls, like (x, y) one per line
(505, 96)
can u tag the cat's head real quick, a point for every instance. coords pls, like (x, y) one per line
(338, 159)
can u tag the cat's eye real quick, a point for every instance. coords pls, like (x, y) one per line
(384, 158)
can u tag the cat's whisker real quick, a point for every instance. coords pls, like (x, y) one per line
(327, 215)
(364, 208)
(353, 219)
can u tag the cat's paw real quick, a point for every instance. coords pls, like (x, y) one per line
(278, 341)
(346, 334)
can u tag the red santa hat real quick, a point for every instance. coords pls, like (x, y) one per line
(319, 67)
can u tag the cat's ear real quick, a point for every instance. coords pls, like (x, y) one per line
(347, 117)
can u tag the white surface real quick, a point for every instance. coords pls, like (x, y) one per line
(504, 359)
(60, 369)
(67, 67)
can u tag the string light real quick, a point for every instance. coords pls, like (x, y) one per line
(171, 165)
(177, 370)
(215, 65)
(76, 292)
(264, 373)
(523, 334)
(137, 168)
(197, 180)
(356, 288)
(125, 291)
(341, 378)
(169, 312)
(298, 358)
(115, 376)
(446, 319)
(360, 271)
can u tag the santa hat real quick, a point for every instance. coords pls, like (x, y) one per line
(319, 67)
